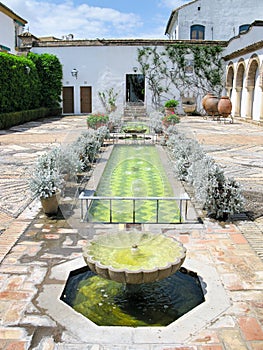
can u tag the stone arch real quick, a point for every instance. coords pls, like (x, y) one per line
(261, 88)
(239, 82)
(261, 76)
(253, 65)
(229, 78)
(251, 76)
(240, 72)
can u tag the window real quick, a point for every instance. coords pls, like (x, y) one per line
(197, 32)
(243, 28)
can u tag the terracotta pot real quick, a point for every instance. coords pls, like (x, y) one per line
(206, 97)
(169, 111)
(189, 108)
(210, 105)
(224, 106)
(50, 204)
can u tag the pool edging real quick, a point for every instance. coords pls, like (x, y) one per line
(216, 302)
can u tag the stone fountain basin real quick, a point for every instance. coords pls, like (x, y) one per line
(145, 274)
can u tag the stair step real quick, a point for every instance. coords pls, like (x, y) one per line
(135, 111)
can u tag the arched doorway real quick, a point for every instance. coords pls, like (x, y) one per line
(239, 88)
(252, 77)
(135, 88)
(230, 79)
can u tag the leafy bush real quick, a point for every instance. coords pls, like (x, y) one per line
(171, 119)
(50, 75)
(88, 144)
(156, 122)
(135, 128)
(171, 104)
(51, 167)
(20, 84)
(95, 121)
(67, 160)
(115, 121)
(28, 83)
(219, 196)
(7, 120)
(46, 179)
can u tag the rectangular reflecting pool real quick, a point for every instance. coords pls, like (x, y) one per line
(135, 177)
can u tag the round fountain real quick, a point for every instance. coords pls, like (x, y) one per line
(134, 279)
(134, 257)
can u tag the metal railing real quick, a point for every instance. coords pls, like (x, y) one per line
(132, 138)
(88, 200)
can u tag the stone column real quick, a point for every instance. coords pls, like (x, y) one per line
(261, 106)
(249, 101)
(238, 102)
(229, 89)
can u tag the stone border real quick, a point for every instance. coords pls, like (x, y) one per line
(180, 331)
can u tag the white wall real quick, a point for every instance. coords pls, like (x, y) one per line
(7, 32)
(221, 18)
(100, 67)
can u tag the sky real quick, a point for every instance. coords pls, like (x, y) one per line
(91, 19)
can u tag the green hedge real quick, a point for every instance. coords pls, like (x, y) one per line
(20, 89)
(7, 120)
(49, 71)
(30, 82)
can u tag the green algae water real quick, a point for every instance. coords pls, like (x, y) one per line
(134, 171)
(108, 303)
(134, 251)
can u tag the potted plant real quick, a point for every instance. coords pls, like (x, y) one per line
(170, 106)
(170, 120)
(134, 129)
(97, 120)
(108, 99)
(67, 160)
(46, 183)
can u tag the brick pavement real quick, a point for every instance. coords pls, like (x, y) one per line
(33, 244)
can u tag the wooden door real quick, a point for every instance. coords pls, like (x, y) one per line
(85, 99)
(68, 99)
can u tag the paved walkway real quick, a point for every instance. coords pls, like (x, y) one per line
(33, 247)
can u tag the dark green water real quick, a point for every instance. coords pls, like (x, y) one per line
(108, 303)
(134, 171)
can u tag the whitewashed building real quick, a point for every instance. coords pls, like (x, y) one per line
(212, 19)
(93, 66)
(11, 26)
(244, 73)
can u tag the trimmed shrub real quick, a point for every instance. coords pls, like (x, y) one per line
(49, 71)
(219, 196)
(7, 120)
(20, 88)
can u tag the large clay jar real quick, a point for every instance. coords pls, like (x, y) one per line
(224, 106)
(210, 104)
(205, 98)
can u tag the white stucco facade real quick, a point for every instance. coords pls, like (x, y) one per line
(100, 67)
(11, 25)
(105, 64)
(244, 74)
(220, 19)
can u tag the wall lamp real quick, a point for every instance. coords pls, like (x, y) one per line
(135, 69)
(74, 73)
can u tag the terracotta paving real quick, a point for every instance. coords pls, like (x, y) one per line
(32, 244)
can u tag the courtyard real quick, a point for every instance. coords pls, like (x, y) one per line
(37, 253)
